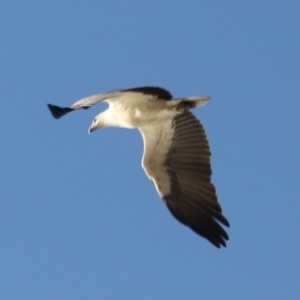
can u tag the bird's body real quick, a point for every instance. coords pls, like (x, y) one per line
(176, 151)
(128, 112)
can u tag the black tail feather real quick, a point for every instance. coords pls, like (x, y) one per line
(58, 112)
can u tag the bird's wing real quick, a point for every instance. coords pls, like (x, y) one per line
(177, 159)
(85, 103)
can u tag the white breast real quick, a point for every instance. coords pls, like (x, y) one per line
(137, 113)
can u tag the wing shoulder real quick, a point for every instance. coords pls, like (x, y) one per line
(156, 92)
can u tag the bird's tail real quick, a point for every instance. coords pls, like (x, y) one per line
(198, 101)
(58, 112)
(185, 104)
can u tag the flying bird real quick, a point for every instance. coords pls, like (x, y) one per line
(176, 151)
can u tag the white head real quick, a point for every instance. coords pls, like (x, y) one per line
(98, 122)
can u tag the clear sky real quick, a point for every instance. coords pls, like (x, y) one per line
(78, 217)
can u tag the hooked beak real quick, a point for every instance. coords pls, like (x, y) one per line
(92, 128)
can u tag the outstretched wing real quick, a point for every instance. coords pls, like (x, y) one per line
(85, 103)
(177, 160)
(152, 92)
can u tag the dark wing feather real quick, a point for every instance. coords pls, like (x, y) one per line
(153, 91)
(192, 198)
(57, 111)
(183, 177)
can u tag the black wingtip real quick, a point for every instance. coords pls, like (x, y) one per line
(58, 112)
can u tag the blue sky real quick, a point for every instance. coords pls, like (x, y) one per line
(78, 217)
